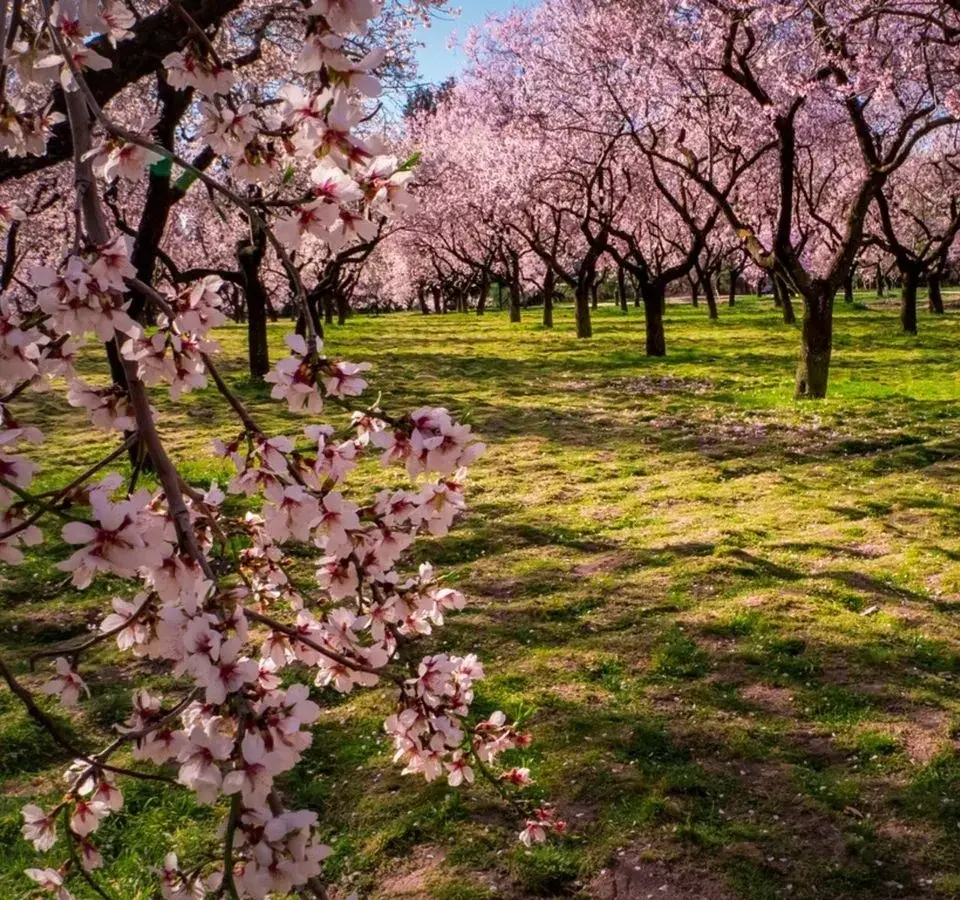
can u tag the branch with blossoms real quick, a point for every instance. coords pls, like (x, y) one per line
(229, 624)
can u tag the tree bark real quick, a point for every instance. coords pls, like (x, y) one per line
(515, 295)
(706, 280)
(935, 297)
(848, 285)
(880, 281)
(250, 253)
(549, 283)
(908, 300)
(343, 308)
(622, 288)
(694, 290)
(816, 344)
(422, 299)
(732, 293)
(484, 290)
(595, 294)
(776, 292)
(653, 302)
(582, 297)
(782, 293)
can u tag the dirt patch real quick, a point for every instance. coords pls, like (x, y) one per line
(722, 437)
(604, 513)
(603, 565)
(773, 700)
(652, 386)
(412, 882)
(924, 733)
(632, 878)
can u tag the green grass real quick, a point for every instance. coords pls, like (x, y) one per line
(669, 564)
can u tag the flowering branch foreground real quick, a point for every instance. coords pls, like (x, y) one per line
(229, 623)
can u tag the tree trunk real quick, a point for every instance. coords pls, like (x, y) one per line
(515, 296)
(549, 283)
(329, 308)
(484, 290)
(935, 297)
(653, 301)
(694, 290)
(706, 280)
(250, 254)
(782, 299)
(438, 304)
(908, 300)
(584, 326)
(848, 285)
(732, 294)
(422, 299)
(622, 288)
(637, 300)
(595, 294)
(816, 344)
(343, 308)
(880, 281)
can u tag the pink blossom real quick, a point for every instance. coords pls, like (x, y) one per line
(66, 684)
(39, 828)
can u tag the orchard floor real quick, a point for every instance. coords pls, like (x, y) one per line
(730, 621)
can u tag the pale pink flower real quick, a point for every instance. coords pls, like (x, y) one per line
(66, 684)
(39, 828)
(49, 880)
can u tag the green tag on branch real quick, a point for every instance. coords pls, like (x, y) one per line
(411, 161)
(161, 168)
(185, 182)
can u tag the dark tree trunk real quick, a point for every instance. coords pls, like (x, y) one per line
(250, 252)
(789, 316)
(343, 308)
(549, 283)
(848, 285)
(637, 299)
(422, 299)
(438, 304)
(484, 290)
(908, 300)
(584, 326)
(694, 290)
(329, 308)
(709, 293)
(653, 302)
(816, 344)
(880, 282)
(782, 299)
(622, 288)
(595, 294)
(515, 296)
(732, 292)
(935, 297)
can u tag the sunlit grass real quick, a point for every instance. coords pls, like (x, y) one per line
(670, 565)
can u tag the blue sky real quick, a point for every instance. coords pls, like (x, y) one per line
(436, 61)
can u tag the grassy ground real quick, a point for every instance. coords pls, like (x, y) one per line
(730, 619)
